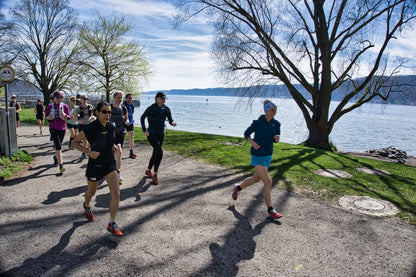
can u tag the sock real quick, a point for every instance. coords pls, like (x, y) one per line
(112, 219)
(131, 151)
(269, 209)
(61, 165)
(239, 188)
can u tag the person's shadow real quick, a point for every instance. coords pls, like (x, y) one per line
(56, 257)
(239, 245)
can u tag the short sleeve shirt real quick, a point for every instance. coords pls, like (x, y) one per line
(101, 139)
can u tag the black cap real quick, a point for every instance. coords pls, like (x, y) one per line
(78, 95)
(160, 95)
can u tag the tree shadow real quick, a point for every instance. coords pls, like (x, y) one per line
(103, 200)
(56, 196)
(60, 261)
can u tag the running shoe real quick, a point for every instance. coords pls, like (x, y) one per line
(88, 213)
(132, 156)
(154, 179)
(113, 228)
(61, 169)
(149, 173)
(55, 161)
(120, 179)
(83, 156)
(274, 215)
(236, 192)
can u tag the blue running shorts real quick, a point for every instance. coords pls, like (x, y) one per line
(261, 160)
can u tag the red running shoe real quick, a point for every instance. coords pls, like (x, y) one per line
(274, 215)
(132, 156)
(113, 228)
(235, 191)
(88, 213)
(154, 179)
(148, 173)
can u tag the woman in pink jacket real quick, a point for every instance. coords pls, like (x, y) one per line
(57, 112)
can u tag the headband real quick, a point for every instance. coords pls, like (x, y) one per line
(268, 106)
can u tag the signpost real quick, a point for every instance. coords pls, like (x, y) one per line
(6, 76)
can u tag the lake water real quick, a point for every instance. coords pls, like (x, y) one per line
(368, 127)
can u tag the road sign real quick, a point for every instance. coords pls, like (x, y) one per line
(6, 73)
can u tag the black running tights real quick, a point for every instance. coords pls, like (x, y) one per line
(156, 140)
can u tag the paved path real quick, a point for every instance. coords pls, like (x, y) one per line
(188, 225)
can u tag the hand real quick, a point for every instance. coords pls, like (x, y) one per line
(146, 133)
(276, 138)
(174, 124)
(93, 154)
(127, 123)
(255, 145)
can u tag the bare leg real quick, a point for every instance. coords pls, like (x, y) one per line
(92, 189)
(117, 156)
(131, 140)
(58, 155)
(267, 181)
(113, 185)
(250, 180)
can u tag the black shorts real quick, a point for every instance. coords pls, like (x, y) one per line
(57, 138)
(96, 172)
(17, 117)
(130, 127)
(120, 138)
(71, 126)
(39, 117)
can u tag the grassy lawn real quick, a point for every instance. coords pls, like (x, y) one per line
(9, 166)
(293, 165)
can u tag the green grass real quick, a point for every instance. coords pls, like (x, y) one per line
(28, 116)
(9, 166)
(293, 165)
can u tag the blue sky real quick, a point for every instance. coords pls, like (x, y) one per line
(180, 59)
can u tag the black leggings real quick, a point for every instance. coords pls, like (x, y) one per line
(57, 137)
(156, 140)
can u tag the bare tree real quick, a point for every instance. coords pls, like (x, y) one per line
(111, 61)
(313, 47)
(5, 29)
(45, 42)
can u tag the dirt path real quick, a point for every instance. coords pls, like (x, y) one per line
(188, 225)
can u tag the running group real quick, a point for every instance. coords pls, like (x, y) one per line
(99, 133)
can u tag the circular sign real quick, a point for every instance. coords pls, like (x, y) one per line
(6, 73)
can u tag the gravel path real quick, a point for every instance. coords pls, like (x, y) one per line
(188, 225)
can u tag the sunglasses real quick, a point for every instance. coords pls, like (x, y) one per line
(84, 98)
(59, 97)
(105, 112)
(73, 100)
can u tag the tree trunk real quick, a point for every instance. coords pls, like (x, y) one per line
(318, 126)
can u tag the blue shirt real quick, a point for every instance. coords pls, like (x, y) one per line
(264, 133)
(130, 110)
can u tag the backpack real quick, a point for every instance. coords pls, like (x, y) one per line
(53, 112)
(81, 113)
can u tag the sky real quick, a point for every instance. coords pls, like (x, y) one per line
(179, 58)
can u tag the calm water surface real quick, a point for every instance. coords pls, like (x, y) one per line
(368, 127)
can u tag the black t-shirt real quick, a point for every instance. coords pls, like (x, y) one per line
(39, 110)
(118, 117)
(101, 139)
